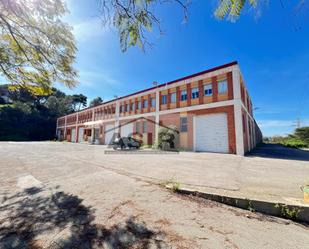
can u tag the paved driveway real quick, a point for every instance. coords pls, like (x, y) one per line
(265, 174)
(55, 195)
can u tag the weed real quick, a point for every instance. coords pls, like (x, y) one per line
(173, 183)
(285, 211)
(250, 208)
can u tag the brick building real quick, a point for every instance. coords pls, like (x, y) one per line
(212, 111)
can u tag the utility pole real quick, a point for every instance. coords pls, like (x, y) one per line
(298, 123)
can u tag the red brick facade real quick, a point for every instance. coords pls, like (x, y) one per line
(170, 113)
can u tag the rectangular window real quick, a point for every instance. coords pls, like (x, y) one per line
(208, 90)
(173, 97)
(133, 106)
(183, 95)
(183, 124)
(145, 127)
(194, 94)
(222, 87)
(164, 99)
(153, 102)
(145, 103)
(139, 105)
(120, 109)
(127, 107)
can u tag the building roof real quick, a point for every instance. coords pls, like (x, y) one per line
(164, 84)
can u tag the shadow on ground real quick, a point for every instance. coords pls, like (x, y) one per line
(37, 212)
(277, 151)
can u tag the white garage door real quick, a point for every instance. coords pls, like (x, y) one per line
(127, 130)
(81, 135)
(73, 135)
(109, 133)
(211, 133)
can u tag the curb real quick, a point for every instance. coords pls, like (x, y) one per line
(142, 152)
(291, 212)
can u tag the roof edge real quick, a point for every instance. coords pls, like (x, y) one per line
(164, 84)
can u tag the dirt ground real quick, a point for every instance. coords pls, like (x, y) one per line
(61, 195)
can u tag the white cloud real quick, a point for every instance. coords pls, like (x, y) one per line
(276, 123)
(89, 29)
(281, 123)
(95, 79)
(274, 110)
(273, 127)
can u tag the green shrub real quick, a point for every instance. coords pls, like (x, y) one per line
(168, 138)
(294, 143)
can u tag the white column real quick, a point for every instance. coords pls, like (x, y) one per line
(157, 116)
(117, 117)
(237, 112)
(76, 131)
(92, 128)
(65, 128)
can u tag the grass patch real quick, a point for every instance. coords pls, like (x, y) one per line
(173, 184)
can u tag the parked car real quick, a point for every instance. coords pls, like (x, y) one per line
(126, 143)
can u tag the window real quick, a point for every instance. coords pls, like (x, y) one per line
(222, 87)
(194, 94)
(208, 90)
(153, 102)
(183, 124)
(127, 107)
(173, 97)
(145, 103)
(183, 95)
(164, 99)
(144, 126)
(139, 105)
(120, 109)
(133, 106)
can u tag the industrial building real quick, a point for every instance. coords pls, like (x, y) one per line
(212, 111)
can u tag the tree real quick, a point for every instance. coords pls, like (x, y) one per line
(79, 101)
(133, 19)
(96, 101)
(302, 133)
(2, 101)
(33, 117)
(36, 47)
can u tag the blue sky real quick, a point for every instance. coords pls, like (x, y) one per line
(271, 46)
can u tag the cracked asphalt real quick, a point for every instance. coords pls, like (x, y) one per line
(60, 195)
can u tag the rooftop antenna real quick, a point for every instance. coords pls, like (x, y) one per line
(155, 83)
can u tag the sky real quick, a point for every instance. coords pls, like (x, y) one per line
(271, 46)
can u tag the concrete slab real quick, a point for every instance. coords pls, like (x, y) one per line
(92, 200)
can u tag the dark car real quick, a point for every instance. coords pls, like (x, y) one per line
(126, 143)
